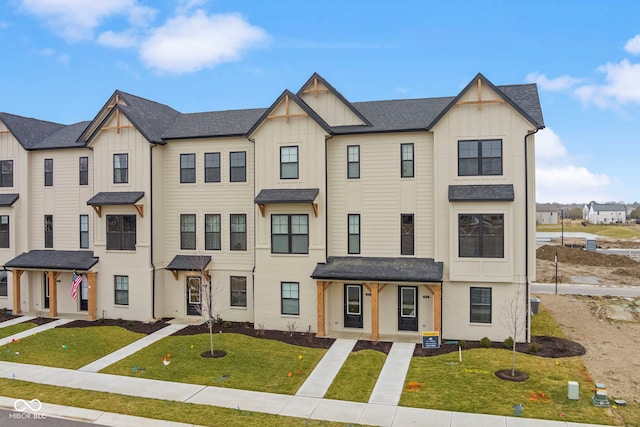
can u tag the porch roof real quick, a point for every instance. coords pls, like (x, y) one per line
(115, 198)
(287, 195)
(481, 193)
(376, 269)
(8, 199)
(53, 260)
(189, 263)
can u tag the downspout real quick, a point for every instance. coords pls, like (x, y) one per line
(526, 234)
(326, 196)
(153, 267)
(255, 222)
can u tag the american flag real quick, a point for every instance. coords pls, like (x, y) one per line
(77, 279)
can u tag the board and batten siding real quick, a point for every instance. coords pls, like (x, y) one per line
(331, 108)
(381, 195)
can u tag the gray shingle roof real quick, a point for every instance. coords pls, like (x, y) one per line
(189, 263)
(115, 198)
(8, 199)
(65, 137)
(377, 269)
(609, 207)
(479, 193)
(29, 132)
(56, 260)
(215, 123)
(151, 118)
(288, 195)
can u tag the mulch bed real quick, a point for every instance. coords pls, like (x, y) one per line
(130, 325)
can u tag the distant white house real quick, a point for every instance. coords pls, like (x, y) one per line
(546, 215)
(607, 214)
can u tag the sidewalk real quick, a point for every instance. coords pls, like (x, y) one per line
(381, 410)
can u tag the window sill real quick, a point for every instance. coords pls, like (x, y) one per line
(237, 307)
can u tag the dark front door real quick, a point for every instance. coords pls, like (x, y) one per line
(84, 295)
(353, 306)
(407, 308)
(193, 296)
(46, 290)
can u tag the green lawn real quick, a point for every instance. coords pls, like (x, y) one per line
(620, 231)
(7, 331)
(69, 348)
(358, 376)
(250, 364)
(543, 324)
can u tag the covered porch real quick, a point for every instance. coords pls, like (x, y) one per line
(53, 263)
(406, 283)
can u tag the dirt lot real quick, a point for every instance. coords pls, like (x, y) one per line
(608, 328)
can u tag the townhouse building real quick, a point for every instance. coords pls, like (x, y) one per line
(377, 219)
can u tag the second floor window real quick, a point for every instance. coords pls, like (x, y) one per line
(48, 172)
(289, 162)
(84, 170)
(289, 234)
(481, 235)
(211, 167)
(238, 232)
(6, 173)
(406, 152)
(121, 232)
(120, 168)
(187, 168)
(353, 161)
(187, 231)
(48, 231)
(480, 157)
(4, 231)
(406, 234)
(84, 231)
(238, 166)
(212, 235)
(354, 233)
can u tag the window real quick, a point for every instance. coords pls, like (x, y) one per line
(354, 233)
(4, 291)
(238, 232)
(406, 151)
(353, 161)
(480, 308)
(290, 298)
(48, 172)
(121, 232)
(6, 173)
(48, 231)
(187, 168)
(120, 168)
(289, 234)
(238, 166)
(289, 162)
(83, 167)
(480, 157)
(187, 231)
(121, 290)
(4, 231)
(238, 291)
(211, 167)
(84, 231)
(481, 235)
(212, 232)
(406, 234)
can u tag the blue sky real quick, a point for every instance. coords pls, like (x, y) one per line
(62, 59)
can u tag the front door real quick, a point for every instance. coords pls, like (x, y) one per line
(46, 290)
(193, 296)
(407, 308)
(84, 295)
(353, 306)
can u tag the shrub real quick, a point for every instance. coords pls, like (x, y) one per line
(533, 348)
(508, 343)
(485, 342)
(462, 344)
(226, 324)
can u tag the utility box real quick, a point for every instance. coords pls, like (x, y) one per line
(574, 390)
(535, 305)
(591, 245)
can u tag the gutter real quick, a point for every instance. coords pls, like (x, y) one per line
(526, 234)
(153, 267)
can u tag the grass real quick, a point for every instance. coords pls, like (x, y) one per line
(151, 408)
(7, 331)
(358, 376)
(620, 231)
(250, 364)
(69, 348)
(543, 324)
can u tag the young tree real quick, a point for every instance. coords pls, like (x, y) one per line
(515, 312)
(208, 292)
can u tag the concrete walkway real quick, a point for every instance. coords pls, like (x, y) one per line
(15, 321)
(134, 347)
(390, 383)
(35, 330)
(318, 382)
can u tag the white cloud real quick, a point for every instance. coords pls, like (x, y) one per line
(620, 87)
(77, 19)
(3, 25)
(62, 58)
(558, 179)
(188, 44)
(117, 40)
(557, 84)
(633, 45)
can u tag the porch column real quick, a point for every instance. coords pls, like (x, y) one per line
(53, 293)
(437, 309)
(16, 291)
(92, 303)
(375, 313)
(320, 307)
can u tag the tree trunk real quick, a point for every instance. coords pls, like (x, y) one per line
(211, 337)
(513, 359)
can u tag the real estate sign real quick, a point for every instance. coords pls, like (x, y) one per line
(430, 339)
